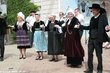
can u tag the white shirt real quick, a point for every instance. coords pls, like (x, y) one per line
(97, 16)
(80, 17)
(69, 22)
(30, 20)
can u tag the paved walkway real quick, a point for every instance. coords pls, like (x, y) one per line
(12, 64)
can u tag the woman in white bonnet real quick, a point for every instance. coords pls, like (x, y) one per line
(73, 49)
(54, 46)
(21, 35)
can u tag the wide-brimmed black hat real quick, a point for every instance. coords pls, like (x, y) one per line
(102, 10)
(95, 6)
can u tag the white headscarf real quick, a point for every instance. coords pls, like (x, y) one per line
(21, 15)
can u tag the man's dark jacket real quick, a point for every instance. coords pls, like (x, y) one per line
(101, 33)
(3, 26)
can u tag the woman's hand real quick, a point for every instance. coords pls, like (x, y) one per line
(42, 26)
(107, 28)
(57, 26)
(77, 26)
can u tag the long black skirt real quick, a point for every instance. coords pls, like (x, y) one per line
(74, 61)
(73, 49)
(54, 47)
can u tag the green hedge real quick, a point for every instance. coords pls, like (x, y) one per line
(15, 6)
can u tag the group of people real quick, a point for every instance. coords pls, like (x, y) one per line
(64, 36)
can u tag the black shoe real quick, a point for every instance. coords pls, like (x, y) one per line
(88, 71)
(20, 57)
(24, 57)
(37, 58)
(56, 60)
(52, 60)
(76, 66)
(99, 71)
(41, 58)
(1, 59)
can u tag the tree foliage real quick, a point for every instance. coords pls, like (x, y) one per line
(15, 6)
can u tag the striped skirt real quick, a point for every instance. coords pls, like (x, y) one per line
(22, 39)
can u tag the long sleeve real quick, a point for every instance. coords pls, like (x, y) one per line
(70, 24)
(47, 28)
(33, 27)
(61, 23)
(103, 22)
(73, 23)
(87, 27)
(15, 28)
(40, 25)
(3, 26)
(25, 27)
(84, 27)
(101, 28)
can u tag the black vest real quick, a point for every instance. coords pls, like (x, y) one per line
(94, 27)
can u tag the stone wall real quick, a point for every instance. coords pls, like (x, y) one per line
(47, 7)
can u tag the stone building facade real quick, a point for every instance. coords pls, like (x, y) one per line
(48, 7)
(55, 6)
(3, 6)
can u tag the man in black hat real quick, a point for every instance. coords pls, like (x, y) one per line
(3, 27)
(97, 35)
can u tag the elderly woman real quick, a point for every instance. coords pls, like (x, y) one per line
(72, 44)
(21, 35)
(54, 46)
